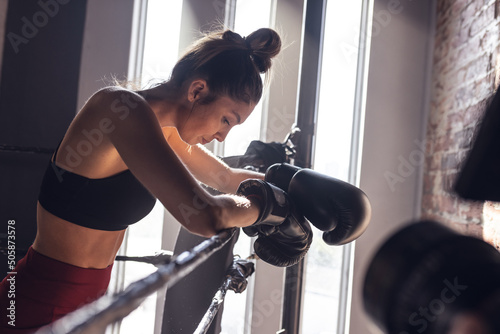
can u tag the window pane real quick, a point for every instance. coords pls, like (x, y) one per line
(331, 157)
(162, 40)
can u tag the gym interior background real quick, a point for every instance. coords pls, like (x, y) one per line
(423, 73)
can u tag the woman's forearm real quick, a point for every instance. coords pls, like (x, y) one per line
(236, 211)
(239, 175)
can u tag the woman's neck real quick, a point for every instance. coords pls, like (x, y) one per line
(167, 106)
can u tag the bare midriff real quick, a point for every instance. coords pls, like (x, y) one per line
(74, 244)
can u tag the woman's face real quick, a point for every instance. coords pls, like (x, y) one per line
(214, 120)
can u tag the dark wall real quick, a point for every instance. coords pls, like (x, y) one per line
(38, 98)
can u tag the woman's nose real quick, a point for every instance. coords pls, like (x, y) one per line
(221, 135)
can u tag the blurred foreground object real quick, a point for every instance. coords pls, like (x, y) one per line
(428, 279)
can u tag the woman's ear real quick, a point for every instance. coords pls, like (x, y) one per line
(197, 89)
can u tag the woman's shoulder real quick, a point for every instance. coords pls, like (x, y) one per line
(115, 102)
(111, 94)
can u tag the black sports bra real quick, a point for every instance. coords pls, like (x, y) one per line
(110, 204)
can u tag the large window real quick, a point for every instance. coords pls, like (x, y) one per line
(332, 156)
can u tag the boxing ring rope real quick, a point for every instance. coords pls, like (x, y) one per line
(25, 149)
(95, 317)
(158, 259)
(236, 276)
(213, 308)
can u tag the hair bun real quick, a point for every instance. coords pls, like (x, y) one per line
(231, 36)
(264, 44)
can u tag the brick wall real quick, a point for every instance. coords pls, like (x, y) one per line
(466, 64)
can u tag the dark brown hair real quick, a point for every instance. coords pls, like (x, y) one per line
(230, 64)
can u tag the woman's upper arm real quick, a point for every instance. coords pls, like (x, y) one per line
(137, 136)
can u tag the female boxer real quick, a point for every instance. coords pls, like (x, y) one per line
(123, 150)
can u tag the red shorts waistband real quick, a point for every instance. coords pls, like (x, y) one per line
(48, 268)
(50, 281)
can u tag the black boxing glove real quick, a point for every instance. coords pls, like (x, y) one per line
(284, 235)
(336, 207)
